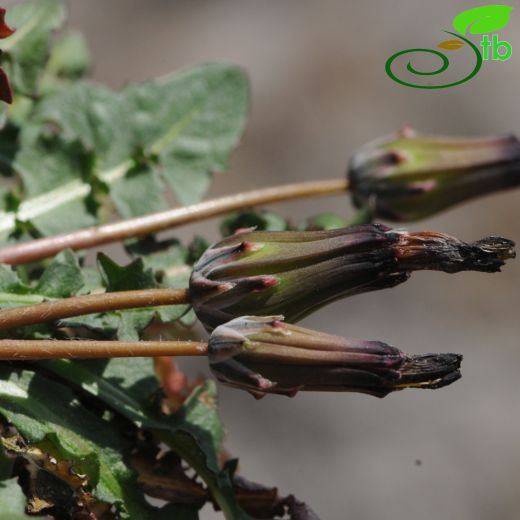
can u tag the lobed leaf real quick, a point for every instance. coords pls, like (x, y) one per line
(84, 141)
(64, 277)
(195, 431)
(48, 414)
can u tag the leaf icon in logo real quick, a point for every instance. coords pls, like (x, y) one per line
(483, 19)
(450, 45)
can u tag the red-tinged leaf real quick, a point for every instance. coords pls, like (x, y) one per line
(174, 382)
(6, 94)
(5, 30)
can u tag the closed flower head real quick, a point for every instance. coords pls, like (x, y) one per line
(266, 355)
(407, 176)
(296, 272)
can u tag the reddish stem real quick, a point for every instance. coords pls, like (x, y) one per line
(98, 235)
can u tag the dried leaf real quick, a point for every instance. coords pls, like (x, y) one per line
(164, 477)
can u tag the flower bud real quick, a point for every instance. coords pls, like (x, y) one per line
(296, 272)
(406, 176)
(264, 355)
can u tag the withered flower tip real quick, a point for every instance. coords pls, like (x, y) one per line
(296, 272)
(408, 176)
(265, 355)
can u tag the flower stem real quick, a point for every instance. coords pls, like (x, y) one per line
(124, 229)
(16, 349)
(89, 304)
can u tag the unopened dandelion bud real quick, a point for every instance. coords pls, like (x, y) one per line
(296, 272)
(265, 355)
(407, 176)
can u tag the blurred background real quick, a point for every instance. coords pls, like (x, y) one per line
(319, 91)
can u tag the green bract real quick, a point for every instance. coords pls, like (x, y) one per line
(264, 355)
(406, 176)
(296, 272)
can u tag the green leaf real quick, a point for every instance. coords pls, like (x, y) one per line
(124, 278)
(128, 385)
(10, 282)
(53, 173)
(167, 259)
(195, 432)
(139, 192)
(196, 248)
(143, 273)
(70, 57)
(200, 418)
(27, 49)
(133, 276)
(63, 277)
(191, 120)
(169, 263)
(333, 221)
(188, 177)
(98, 118)
(324, 221)
(362, 216)
(12, 500)
(180, 128)
(47, 414)
(259, 219)
(133, 322)
(482, 19)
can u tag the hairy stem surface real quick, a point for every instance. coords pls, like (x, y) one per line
(89, 304)
(16, 349)
(124, 229)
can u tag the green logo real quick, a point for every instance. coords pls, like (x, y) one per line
(481, 20)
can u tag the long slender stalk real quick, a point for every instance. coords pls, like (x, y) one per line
(88, 304)
(104, 234)
(20, 349)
